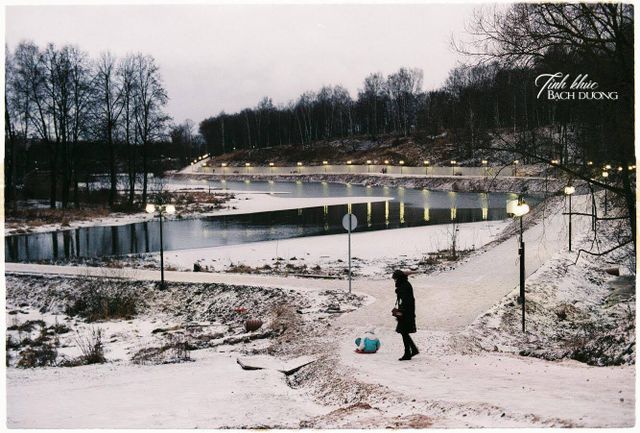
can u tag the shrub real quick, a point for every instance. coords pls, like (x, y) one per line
(102, 300)
(175, 351)
(91, 348)
(27, 326)
(40, 356)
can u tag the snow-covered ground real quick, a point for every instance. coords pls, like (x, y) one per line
(373, 253)
(211, 392)
(456, 381)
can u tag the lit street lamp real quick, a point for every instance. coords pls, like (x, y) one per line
(605, 175)
(555, 163)
(453, 167)
(325, 163)
(401, 164)
(426, 167)
(368, 165)
(518, 208)
(515, 167)
(569, 190)
(161, 209)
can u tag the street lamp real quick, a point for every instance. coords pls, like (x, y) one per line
(605, 175)
(515, 167)
(271, 165)
(518, 208)
(555, 163)
(453, 167)
(484, 164)
(325, 163)
(368, 165)
(401, 164)
(569, 190)
(426, 167)
(162, 209)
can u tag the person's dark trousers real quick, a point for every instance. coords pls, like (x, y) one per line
(409, 346)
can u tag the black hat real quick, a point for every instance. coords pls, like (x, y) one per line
(398, 274)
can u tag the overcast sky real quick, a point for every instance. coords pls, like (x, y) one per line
(223, 57)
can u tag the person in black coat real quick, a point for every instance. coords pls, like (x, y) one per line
(406, 316)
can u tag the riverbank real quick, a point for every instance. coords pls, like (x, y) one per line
(525, 185)
(215, 203)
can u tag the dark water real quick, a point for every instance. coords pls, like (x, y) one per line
(409, 208)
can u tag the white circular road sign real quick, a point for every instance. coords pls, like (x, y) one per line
(349, 218)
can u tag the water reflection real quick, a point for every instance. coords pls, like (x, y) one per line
(408, 208)
(228, 230)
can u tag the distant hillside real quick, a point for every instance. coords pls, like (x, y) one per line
(413, 150)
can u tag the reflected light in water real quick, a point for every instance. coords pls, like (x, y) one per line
(453, 198)
(454, 213)
(369, 214)
(485, 213)
(386, 213)
(426, 214)
(401, 212)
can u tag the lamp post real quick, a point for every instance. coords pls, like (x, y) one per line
(224, 167)
(161, 209)
(271, 165)
(453, 167)
(555, 163)
(569, 190)
(605, 175)
(368, 165)
(401, 164)
(325, 163)
(426, 167)
(484, 164)
(386, 166)
(518, 208)
(515, 167)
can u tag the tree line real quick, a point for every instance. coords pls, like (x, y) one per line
(74, 107)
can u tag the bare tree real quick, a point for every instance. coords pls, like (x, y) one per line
(108, 111)
(597, 36)
(150, 98)
(127, 77)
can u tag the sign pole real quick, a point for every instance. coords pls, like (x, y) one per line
(349, 255)
(349, 222)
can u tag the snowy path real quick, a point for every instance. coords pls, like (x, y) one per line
(486, 385)
(452, 300)
(213, 392)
